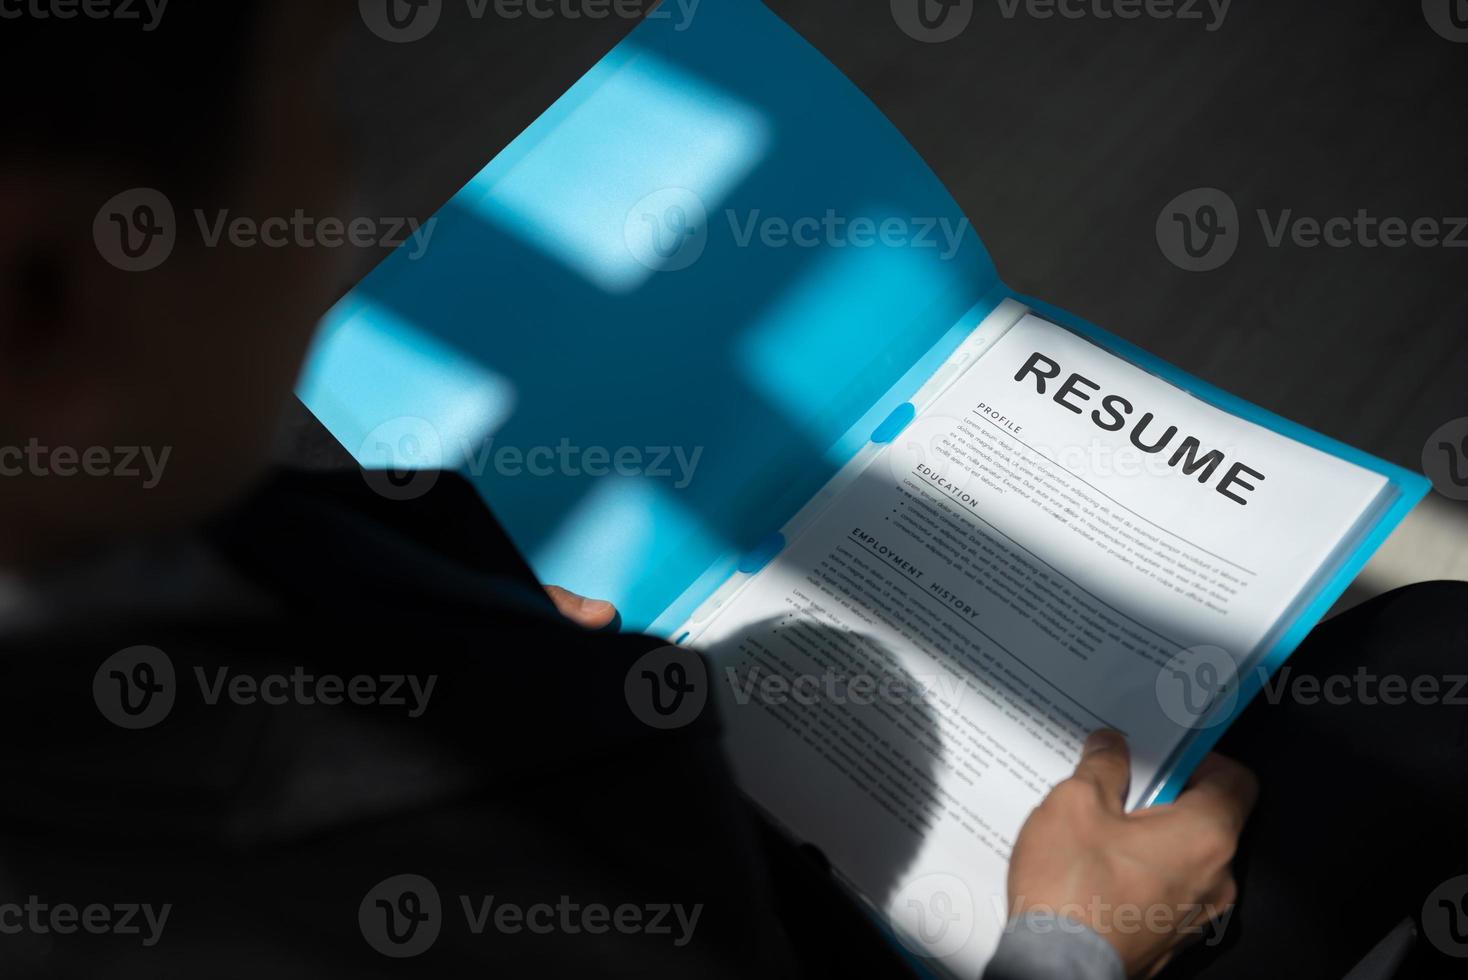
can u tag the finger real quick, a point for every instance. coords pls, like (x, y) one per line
(1160, 965)
(590, 613)
(1106, 762)
(1222, 788)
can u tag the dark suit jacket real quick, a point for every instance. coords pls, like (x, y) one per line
(265, 827)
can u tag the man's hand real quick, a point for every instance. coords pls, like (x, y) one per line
(592, 614)
(1147, 882)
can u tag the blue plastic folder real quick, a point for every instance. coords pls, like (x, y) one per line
(585, 290)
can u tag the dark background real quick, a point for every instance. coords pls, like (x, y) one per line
(1062, 140)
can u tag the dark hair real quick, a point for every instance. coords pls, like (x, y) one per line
(155, 98)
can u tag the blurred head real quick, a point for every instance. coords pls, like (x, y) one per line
(106, 372)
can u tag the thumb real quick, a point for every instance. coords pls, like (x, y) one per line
(1106, 762)
(589, 613)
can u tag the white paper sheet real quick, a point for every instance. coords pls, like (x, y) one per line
(904, 683)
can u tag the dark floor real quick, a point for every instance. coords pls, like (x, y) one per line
(1063, 140)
